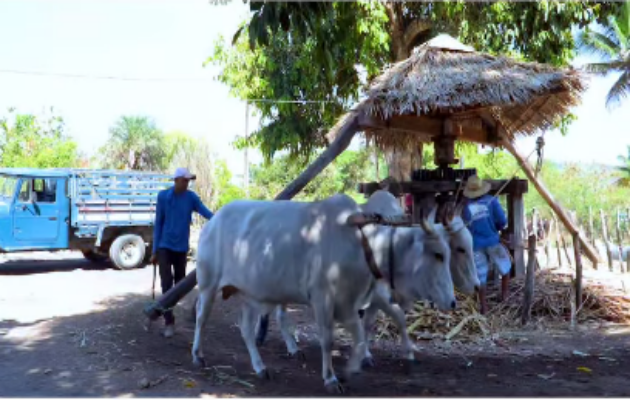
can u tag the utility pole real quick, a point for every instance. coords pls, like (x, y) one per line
(246, 167)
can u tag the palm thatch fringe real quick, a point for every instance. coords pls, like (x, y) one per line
(452, 80)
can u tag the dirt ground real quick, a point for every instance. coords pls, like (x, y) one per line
(69, 328)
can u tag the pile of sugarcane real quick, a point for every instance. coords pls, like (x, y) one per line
(552, 305)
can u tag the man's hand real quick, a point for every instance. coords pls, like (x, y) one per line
(154, 259)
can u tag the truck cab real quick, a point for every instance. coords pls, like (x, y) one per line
(34, 211)
(104, 214)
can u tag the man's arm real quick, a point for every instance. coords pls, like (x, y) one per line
(159, 223)
(498, 215)
(201, 208)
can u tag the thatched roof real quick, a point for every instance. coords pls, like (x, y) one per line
(444, 78)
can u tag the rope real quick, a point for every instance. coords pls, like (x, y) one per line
(540, 144)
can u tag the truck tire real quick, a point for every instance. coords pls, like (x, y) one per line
(128, 252)
(93, 256)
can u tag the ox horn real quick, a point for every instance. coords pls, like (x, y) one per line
(424, 223)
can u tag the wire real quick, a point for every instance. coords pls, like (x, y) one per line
(98, 77)
(136, 79)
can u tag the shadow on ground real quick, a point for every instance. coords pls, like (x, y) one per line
(30, 267)
(111, 353)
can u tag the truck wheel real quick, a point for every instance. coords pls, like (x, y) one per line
(128, 252)
(93, 256)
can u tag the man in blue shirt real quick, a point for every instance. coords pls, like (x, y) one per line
(171, 235)
(485, 218)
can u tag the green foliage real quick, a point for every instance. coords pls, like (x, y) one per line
(29, 141)
(135, 143)
(214, 180)
(577, 188)
(294, 45)
(342, 176)
(612, 44)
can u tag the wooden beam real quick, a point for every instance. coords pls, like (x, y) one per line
(427, 187)
(343, 132)
(557, 209)
(472, 130)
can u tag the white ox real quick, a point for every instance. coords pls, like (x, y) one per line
(274, 253)
(462, 266)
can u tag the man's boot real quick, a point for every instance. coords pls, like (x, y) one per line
(169, 331)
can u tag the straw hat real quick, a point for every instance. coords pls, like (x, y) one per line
(476, 187)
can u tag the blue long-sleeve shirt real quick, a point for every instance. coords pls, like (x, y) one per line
(173, 218)
(485, 218)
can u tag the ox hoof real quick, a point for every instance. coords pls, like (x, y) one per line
(264, 375)
(199, 362)
(334, 387)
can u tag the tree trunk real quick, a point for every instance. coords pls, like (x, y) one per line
(398, 162)
(544, 193)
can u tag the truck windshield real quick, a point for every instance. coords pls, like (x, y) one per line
(7, 187)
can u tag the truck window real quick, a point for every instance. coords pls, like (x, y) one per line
(7, 187)
(44, 190)
(25, 191)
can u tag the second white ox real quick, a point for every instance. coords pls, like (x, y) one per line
(462, 266)
(282, 252)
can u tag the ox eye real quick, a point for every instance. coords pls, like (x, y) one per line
(461, 250)
(439, 256)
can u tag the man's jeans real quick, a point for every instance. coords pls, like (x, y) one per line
(172, 270)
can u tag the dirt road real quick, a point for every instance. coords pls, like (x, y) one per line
(70, 329)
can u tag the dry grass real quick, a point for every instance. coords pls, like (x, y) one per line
(551, 307)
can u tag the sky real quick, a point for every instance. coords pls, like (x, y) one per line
(159, 47)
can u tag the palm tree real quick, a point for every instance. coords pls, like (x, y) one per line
(612, 44)
(135, 143)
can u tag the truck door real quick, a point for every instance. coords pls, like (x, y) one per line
(40, 213)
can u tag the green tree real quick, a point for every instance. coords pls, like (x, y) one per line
(624, 168)
(135, 143)
(29, 141)
(316, 51)
(214, 180)
(612, 44)
(342, 176)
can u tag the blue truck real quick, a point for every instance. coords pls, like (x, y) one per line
(103, 214)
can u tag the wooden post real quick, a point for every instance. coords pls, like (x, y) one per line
(343, 132)
(529, 280)
(519, 218)
(566, 250)
(591, 226)
(557, 234)
(602, 216)
(619, 246)
(578, 272)
(545, 194)
(548, 242)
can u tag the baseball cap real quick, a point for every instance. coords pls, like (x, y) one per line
(184, 173)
